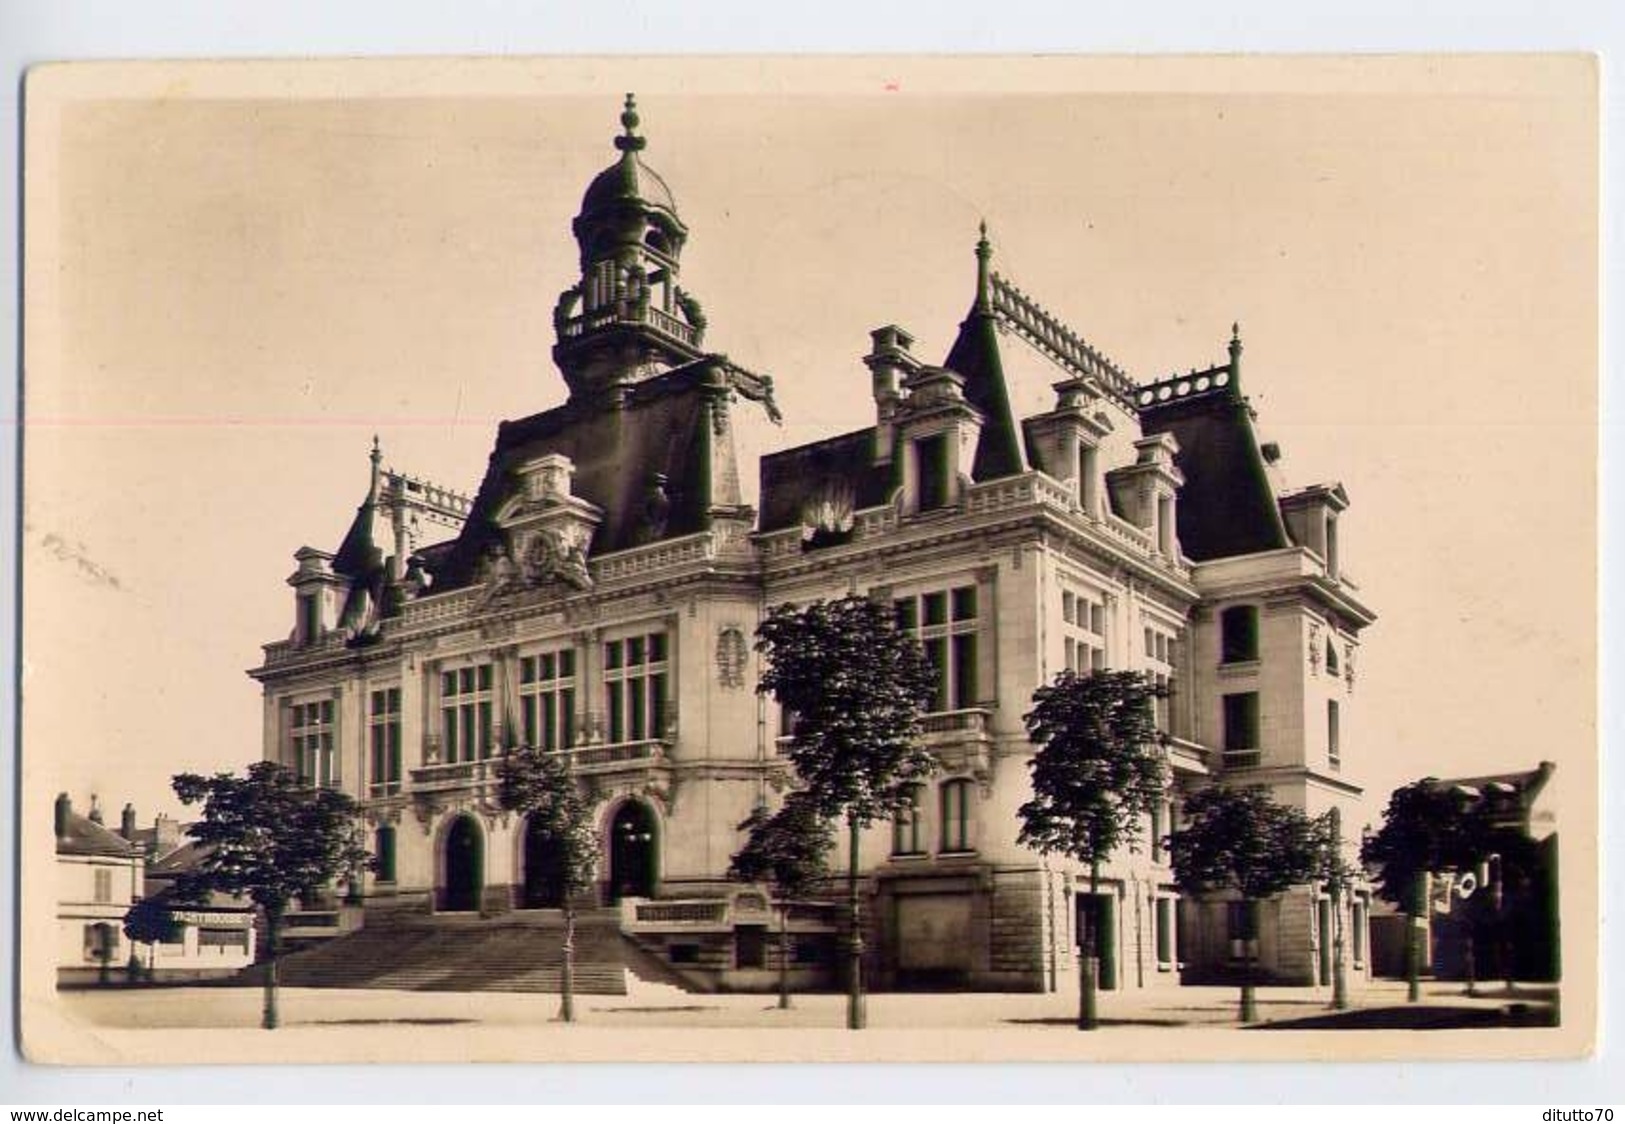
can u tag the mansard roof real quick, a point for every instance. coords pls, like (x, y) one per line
(1227, 506)
(795, 479)
(659, 434)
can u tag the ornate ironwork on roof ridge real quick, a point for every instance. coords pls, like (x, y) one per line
(1047, 333)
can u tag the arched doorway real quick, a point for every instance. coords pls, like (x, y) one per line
(465, 863)
(632, 852)
(543, 887)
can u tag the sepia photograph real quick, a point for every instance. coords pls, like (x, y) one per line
(788, 559)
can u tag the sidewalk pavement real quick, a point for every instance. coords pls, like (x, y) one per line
(1378, 1005)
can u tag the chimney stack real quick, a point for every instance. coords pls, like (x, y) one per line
(64, 810)
(166, 835)
(95, 810)
(126, 825)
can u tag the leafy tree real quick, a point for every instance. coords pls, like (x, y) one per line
(269, 837)
(856, 686)
(788, 849)
(1427, 828)
(149, 922)
(1239, 839)
(1098, 772)
(539, 785)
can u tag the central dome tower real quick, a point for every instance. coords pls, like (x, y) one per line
(626, 319)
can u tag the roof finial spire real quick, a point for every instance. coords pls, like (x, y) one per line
(1235, 352)
(984, 259)
(629, 141)
(377, 458)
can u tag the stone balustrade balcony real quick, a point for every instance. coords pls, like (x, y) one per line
(723, 913)
(631, 313)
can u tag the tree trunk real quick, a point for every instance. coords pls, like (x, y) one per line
(1249, 997)
(1340, 975)
(855, 1014)
(1089, 969)
(567, 973)
(270, 1018)
(784, 956)
(1413, 941)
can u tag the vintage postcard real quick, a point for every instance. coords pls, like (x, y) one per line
(787, 559)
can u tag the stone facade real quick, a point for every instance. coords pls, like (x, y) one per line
(599, 595)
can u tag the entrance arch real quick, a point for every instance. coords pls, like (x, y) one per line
(543, 886)
(464, 865)
(632, 852)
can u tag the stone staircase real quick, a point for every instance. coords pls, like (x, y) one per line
(517, 952)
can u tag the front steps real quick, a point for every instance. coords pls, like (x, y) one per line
(521, 952)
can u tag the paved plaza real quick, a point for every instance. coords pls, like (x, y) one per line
(192, 1024)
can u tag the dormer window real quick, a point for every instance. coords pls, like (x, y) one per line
(310, 618)
(1238, 627)
(931, 455)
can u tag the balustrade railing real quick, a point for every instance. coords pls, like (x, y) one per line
(631, 312)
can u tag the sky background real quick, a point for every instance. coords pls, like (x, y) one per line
(235, 281)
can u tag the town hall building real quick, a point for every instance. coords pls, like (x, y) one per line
(1023, 503)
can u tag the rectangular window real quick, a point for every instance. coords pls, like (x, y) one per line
(945, 624)
(956, 816)
(1358, 923)
(1334, 747)
(635, 671)
(1165, 933)
(384, 854)
(905, 828)
(1241, 729)
(104, 886)
(384, 740)
(547, 699)
(1238, 628)
(310, 742)
(1083, 630)
(466, 713)
(931, 456)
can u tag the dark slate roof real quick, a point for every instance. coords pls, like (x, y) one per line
(660, 429)
(358, 556)
(842, 465)
(84, 836)
(1227, 506)
(629, 179)
(975, 356)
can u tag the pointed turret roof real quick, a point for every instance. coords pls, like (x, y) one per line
(975, 356)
